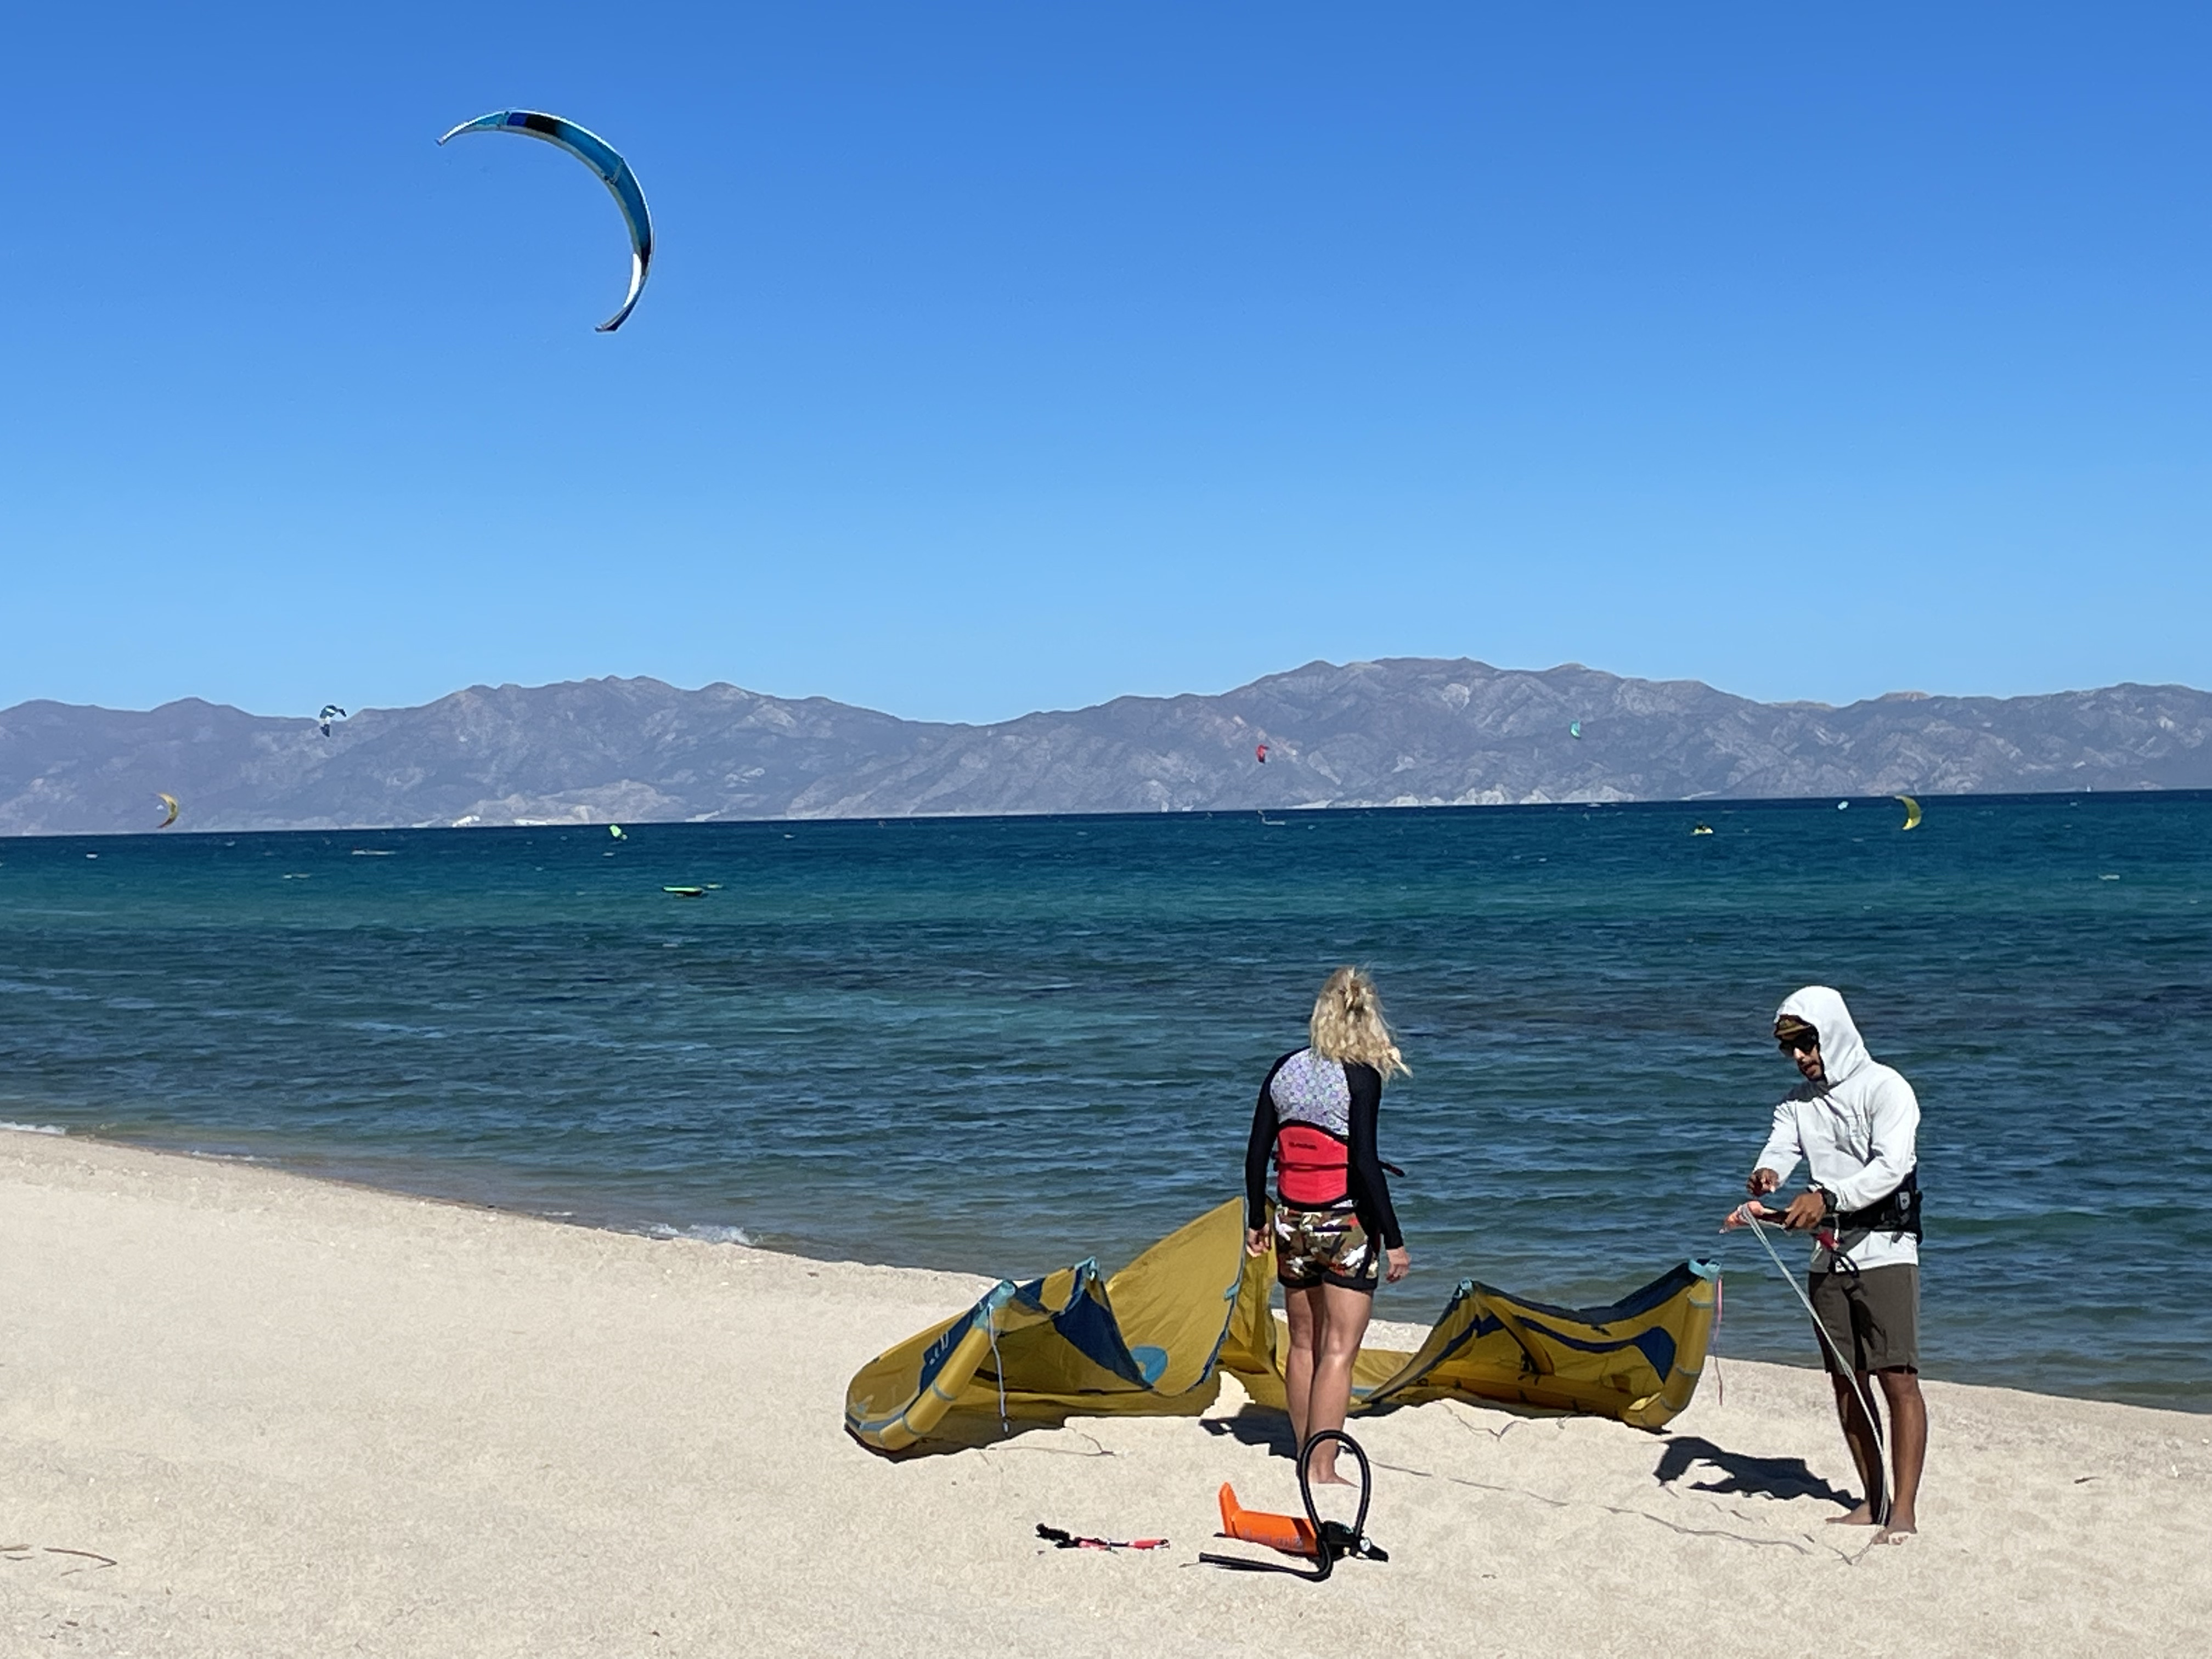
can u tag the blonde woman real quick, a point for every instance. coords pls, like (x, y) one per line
(1333, 1218)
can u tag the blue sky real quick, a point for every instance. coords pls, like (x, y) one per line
(1006, 356)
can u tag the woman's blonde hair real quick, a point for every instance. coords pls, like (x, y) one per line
(1347, 1024)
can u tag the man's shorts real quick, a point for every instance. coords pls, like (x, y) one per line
(1872, 1315)
(1314, 1247)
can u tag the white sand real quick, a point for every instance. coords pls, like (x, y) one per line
(303, 1419)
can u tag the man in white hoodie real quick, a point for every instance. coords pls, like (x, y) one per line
(1853, 1122)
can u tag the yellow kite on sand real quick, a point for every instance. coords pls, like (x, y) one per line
(1153, 1340)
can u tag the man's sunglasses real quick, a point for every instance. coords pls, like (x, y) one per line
(1807, 1044)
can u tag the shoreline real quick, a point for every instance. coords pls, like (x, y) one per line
(668, 1232)
(300, 1416)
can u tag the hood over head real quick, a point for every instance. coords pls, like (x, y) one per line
(1842, 1051)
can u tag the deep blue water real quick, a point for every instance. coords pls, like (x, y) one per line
(1002, 1045)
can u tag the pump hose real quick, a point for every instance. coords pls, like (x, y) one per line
(1333, 1540)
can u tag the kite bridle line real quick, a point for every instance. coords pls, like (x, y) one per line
(998, 1372)
(1844, 1365)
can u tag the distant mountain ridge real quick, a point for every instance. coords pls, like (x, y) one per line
(1400, 732)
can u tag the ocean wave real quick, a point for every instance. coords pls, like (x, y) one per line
(705, 1235)
(54, 1129)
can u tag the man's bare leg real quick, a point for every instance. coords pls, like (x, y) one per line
(1866, 1449)
(1908, 1448)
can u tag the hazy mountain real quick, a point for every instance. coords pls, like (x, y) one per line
(1407, 732)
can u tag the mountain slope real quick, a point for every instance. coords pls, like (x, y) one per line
(1397, 733)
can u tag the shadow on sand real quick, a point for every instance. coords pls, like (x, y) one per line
(1255, 1425)
(1769, 1477)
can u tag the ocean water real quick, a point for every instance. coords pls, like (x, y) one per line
(1002, 1045)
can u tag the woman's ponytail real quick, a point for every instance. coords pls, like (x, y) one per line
(1347, 1023)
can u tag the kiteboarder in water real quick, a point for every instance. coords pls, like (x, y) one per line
(1854, 1122)
(1332, 1220)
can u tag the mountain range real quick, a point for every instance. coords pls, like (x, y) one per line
(1399, 732)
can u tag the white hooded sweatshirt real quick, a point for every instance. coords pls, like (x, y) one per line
(1855, 1131)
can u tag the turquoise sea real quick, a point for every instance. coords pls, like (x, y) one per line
(1004, 1044)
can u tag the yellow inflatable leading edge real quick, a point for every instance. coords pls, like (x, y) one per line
(1155, 1338)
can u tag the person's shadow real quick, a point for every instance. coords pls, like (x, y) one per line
(1769, 1477)
(1254, 1426)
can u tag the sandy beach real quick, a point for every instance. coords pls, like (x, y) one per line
(244, 1413)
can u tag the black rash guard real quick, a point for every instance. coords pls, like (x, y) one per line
(1371, 1191)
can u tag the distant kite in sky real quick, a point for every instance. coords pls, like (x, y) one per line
(169, 801)
(595, 153)
(1912, 811)
(1574, 728)
(330, 711)
(1261, 754)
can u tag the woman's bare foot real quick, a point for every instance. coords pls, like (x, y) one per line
(1861, 1517)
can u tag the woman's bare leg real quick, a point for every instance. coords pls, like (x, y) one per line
(1303, 1309)
(1343, 1316)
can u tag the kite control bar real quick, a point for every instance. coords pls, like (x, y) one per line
(1771, 1218)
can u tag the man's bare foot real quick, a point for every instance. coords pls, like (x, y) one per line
(1316, 1478)
(1861, 1517)
(1898, 1529)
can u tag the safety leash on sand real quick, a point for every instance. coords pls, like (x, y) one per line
(1060, 1539)
(1329, 1541)
(1844, 1366)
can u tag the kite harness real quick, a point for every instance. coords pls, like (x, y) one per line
(1326, 1541)
(1898, 1213)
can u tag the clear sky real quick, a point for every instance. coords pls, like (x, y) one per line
(1020, 356)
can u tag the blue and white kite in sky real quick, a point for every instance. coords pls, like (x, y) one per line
(595, 153)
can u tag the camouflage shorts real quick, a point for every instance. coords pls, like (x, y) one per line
(1317, 1246)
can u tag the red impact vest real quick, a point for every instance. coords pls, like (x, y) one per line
(1313, 1168)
